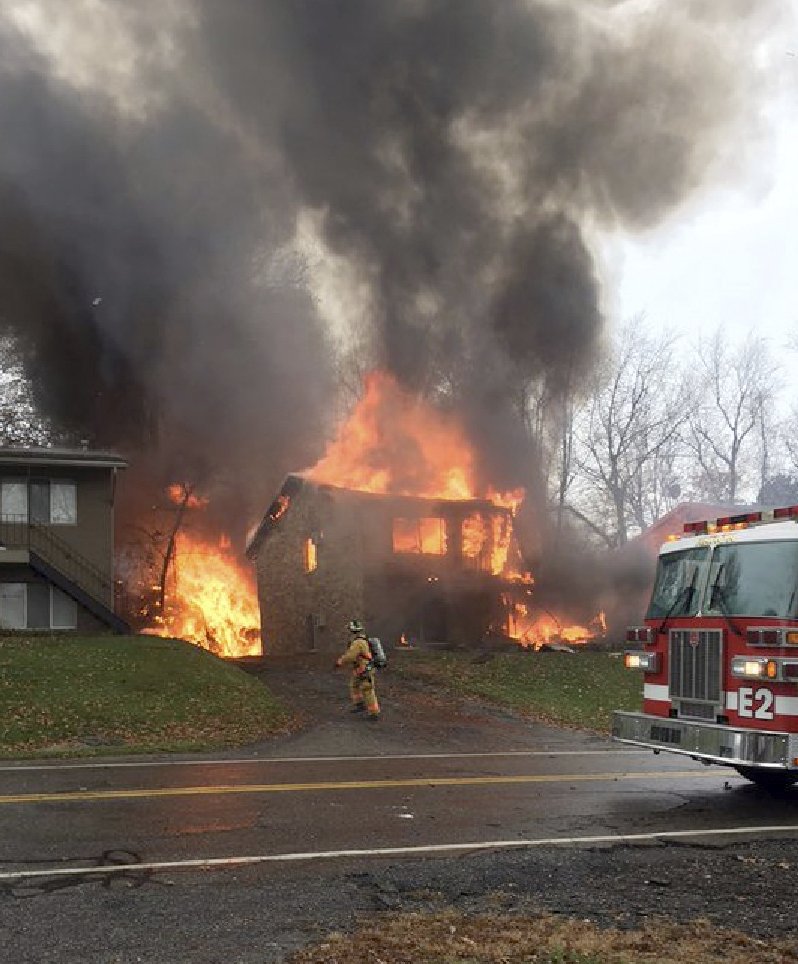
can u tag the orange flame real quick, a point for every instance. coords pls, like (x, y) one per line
(536, 631)
(177, 494)
(212, 601)
(394, 442)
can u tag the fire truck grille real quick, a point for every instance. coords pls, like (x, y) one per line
(695, 667)
(698, 711)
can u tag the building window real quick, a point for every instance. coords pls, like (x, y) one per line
(310, 556)
(14, 501)
(475, 543)
(44, 501)
(13, 614)
(63, 503)
(426, 535)
(35, 605)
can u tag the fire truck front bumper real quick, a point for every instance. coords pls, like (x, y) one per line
(706, 741)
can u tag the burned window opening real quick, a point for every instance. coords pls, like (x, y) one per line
(310, 555)
(475, 541)
(279, 507)
(420, 536)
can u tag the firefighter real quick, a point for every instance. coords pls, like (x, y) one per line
(361, 682)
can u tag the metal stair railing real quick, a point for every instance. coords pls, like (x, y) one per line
(16, 532)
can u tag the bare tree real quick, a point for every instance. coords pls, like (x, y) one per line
(146, 562)
(565, 455)
(629, 432)
(20, 422)
(659, 484)
(731, 425)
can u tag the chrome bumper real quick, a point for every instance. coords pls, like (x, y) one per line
(706, 741)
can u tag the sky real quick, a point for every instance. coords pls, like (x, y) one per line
(729, 257)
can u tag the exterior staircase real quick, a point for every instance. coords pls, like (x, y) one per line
(63, 566)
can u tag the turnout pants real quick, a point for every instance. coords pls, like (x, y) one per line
(361, 690)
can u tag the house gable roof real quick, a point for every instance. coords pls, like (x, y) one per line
(295, 483)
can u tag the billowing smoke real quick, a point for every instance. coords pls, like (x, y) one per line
(457, 156)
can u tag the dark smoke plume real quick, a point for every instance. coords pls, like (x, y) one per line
(459, 155)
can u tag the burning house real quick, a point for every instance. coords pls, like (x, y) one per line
(391, 526)
(197, 267)
(412, 567)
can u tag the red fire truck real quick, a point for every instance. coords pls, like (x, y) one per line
(719, 648)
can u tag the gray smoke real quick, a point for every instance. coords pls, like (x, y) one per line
(459, 155)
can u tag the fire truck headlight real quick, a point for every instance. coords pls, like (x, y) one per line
(648, 662)
(747, 668)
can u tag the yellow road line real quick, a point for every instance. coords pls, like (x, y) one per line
(430, 782)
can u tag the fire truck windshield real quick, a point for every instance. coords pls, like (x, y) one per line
(677, 588)
(753, 579)
(737, 579)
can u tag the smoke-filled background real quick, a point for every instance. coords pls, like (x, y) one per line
(205, 205)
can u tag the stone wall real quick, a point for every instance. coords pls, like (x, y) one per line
(304, 611)
(358, 575)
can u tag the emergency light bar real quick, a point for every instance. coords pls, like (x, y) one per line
(727, 523)
(771, 636)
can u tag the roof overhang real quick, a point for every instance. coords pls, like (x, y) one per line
(296, 482)
(83, 458)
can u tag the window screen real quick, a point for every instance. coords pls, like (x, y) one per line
(12, 605)
(65, 610)
(63, 503)
(14, 501)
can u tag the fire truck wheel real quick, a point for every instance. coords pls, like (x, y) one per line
(768, 779)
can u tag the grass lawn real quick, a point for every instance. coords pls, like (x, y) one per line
(576, 690)
(452, 938)
(64, 695)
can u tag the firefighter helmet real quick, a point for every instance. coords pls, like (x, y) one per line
(356, 627)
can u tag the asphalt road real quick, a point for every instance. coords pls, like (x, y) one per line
(246, 855)
(220, 809)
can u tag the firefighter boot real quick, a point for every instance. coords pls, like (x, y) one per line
(358, 708)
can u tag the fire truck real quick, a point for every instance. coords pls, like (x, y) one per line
(719, 648)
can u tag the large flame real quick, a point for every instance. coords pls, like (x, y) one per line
(395, 442)
(535, 629)
(211, 599)
(392, 443)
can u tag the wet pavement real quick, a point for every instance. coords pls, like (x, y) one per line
(433, 773)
